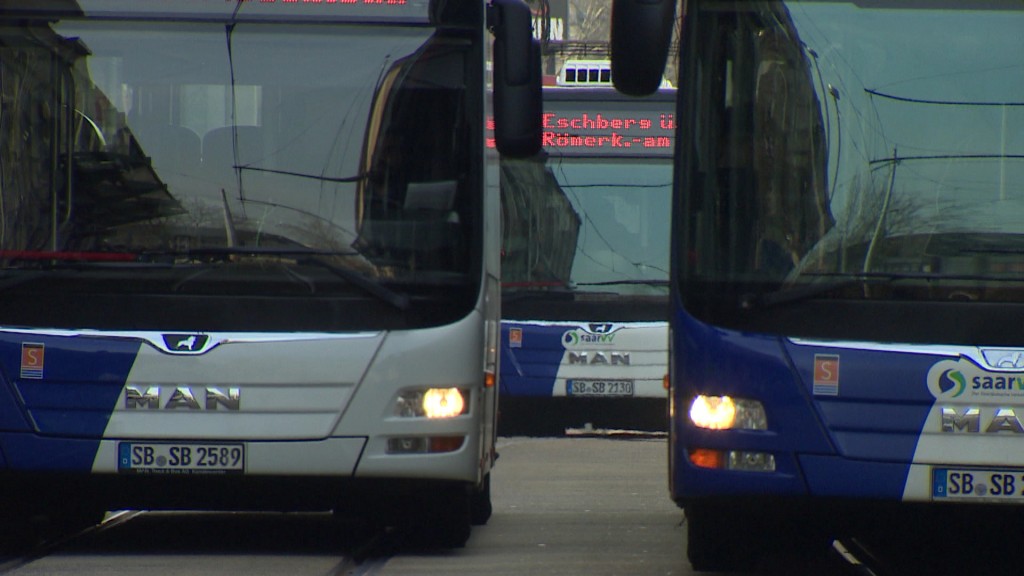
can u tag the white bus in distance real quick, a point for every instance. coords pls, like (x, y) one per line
(585, 265)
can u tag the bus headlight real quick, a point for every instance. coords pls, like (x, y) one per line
(726, 413)
(432, 403)
(443, 402)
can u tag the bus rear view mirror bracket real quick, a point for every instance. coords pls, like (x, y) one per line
(517, 80)
(641, 35)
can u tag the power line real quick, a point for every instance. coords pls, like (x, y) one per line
(898, 159)
(939, 102)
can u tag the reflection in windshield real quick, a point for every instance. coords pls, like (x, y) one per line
(598, 224)
(175, 138)
(860, 145)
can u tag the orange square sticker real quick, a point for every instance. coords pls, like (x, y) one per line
(32, 359)
(515, 337)
(826, 374)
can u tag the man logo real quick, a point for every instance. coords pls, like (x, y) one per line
(175, 397)
(1004, 359)
(600, 358)
(185, 342)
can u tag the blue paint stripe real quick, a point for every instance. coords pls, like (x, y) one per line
(858, 441)
(56, 422)
(531, 367)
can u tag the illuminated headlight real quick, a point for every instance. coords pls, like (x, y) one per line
(431, 403)
(725, 413)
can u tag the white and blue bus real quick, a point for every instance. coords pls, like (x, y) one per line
(847, 265)
(585, 262)
(249, 254)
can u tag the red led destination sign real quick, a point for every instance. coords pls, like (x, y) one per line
(647, 133)
(596, 132)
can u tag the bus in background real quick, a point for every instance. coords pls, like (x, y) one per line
(249, 255)
(847, 283)
(585, 262)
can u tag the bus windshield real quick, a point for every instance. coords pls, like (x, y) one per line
(862, 151)
(589, 216)
(185, 156)
(617, 224)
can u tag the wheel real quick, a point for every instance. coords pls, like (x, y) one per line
(723, 538)
(480, 507)
(20, 536)
(443, 520)
(450, 532)
(34, 528)
(720, 540)
(435, 517)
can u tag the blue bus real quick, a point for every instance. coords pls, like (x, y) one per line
(847, 278)
(249, 254)
(584, 335)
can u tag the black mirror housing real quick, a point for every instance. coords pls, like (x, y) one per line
(641, 36)
(517, 80)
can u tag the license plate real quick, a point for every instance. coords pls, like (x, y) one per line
(977, 484)
(180, 458)
(599, 387)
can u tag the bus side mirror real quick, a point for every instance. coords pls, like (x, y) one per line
(516, 78)
(641, 35)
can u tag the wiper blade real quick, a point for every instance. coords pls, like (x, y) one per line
(810, 290)
(546, 285)
(309, 256)
(625, 283)
(225, 252)
(49, 258)
(68, 256)
(301, 255)
(792, 295)
(513, 291)
(35, 264)
(365, 283)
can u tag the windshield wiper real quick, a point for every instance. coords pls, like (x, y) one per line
(625, 283)
(515, 291)
(67, 256)
(807, 291)
(554, 289)
(304, 256)
(797, 294)
(27, 265)
(369, 285)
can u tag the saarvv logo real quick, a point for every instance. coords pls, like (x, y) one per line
(963, 379)
(595, 333)
(952, 383)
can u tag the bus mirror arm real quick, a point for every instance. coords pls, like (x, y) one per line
(641, 35)
(517, 80)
